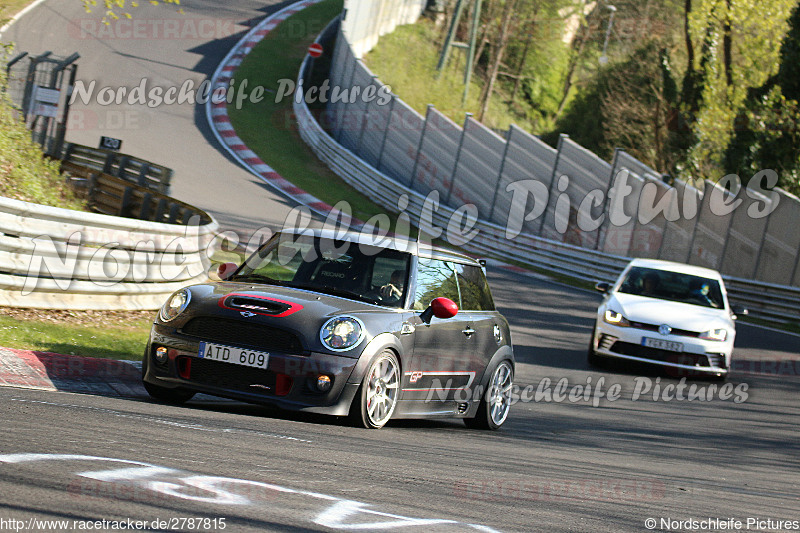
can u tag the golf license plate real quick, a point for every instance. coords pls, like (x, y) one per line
(662, 344)
(231, 354)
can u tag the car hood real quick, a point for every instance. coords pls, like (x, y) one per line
(309, 301)
(674, 314)
(297, 310)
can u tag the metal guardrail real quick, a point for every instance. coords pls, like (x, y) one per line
(131, 169)
(54, 258)
(775, 302)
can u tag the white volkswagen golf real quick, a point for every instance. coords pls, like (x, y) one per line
(670, 314)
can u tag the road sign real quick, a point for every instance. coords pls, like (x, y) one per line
(315, 50)
(110, 143)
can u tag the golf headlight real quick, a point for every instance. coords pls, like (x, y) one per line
(341, 333)
(715, 335)
(612, 317)
(176, 305)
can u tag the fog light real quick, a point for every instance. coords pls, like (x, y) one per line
(323, 383)
(161, 355)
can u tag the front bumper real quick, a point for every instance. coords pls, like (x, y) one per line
(698, 355)
(286, 383)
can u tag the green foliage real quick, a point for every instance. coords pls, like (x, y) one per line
(754, 57)
(113, 6)
(108, 341)
(628, 105)
(406, 61)
(24, 172)
(768, 128)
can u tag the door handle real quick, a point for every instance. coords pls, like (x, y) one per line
(468, 332)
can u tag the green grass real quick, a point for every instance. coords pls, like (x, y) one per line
(9, 8)
(111, 342)
(270, 130)
(406, 60)
(25, 174)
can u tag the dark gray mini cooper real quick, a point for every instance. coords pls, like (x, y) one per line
(335, 324)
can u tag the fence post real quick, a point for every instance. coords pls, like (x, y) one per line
(343, 103)
(386, 132)
(419, 148)
(552, 179)
(500, 174)
(696, 221)
(364, 123)
(458, 157)
(796, 274)
(602, 231)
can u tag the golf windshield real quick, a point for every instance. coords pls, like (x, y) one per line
(673, 286)
(338, 267)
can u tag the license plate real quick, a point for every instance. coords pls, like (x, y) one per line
(231, 354)
(662, 344)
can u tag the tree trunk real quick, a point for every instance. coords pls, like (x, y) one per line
(581, 39)
(528, 42)
(498, 57)
(485, 35)
(726, 44)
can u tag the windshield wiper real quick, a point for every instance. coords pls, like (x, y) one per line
(258, 277)
(335, 291)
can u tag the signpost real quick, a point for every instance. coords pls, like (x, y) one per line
(315, 50)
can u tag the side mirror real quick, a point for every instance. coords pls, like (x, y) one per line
(225, 270)
(602, 286)
(440, 308)
(738, 311)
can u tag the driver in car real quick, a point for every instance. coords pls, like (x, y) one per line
(393, 290)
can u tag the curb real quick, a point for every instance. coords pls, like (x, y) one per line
(70, 373)
(220, 122)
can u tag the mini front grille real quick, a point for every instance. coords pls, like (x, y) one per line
(462, 408)
(228, 376)
(239, 333)
(655, 354)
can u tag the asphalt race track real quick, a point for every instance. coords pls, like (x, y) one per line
(563, 463)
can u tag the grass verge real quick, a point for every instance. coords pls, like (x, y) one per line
(406, 60)
(25, 174)
(107, 334)
(269, 128)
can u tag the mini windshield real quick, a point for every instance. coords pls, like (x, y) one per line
(341, 268)
(673, 286)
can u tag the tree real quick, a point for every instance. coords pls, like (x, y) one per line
(768, 128)
(500, 49)
(740, 52)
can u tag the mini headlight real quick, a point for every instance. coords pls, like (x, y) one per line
(341, 333)
(612, 317)
(715, 335)
(176, 305)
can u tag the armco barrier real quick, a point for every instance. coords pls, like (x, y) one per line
(56, 258)
(766, 300)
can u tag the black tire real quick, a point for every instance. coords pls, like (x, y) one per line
(378, 394)
(175, 396)
(496, 401)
